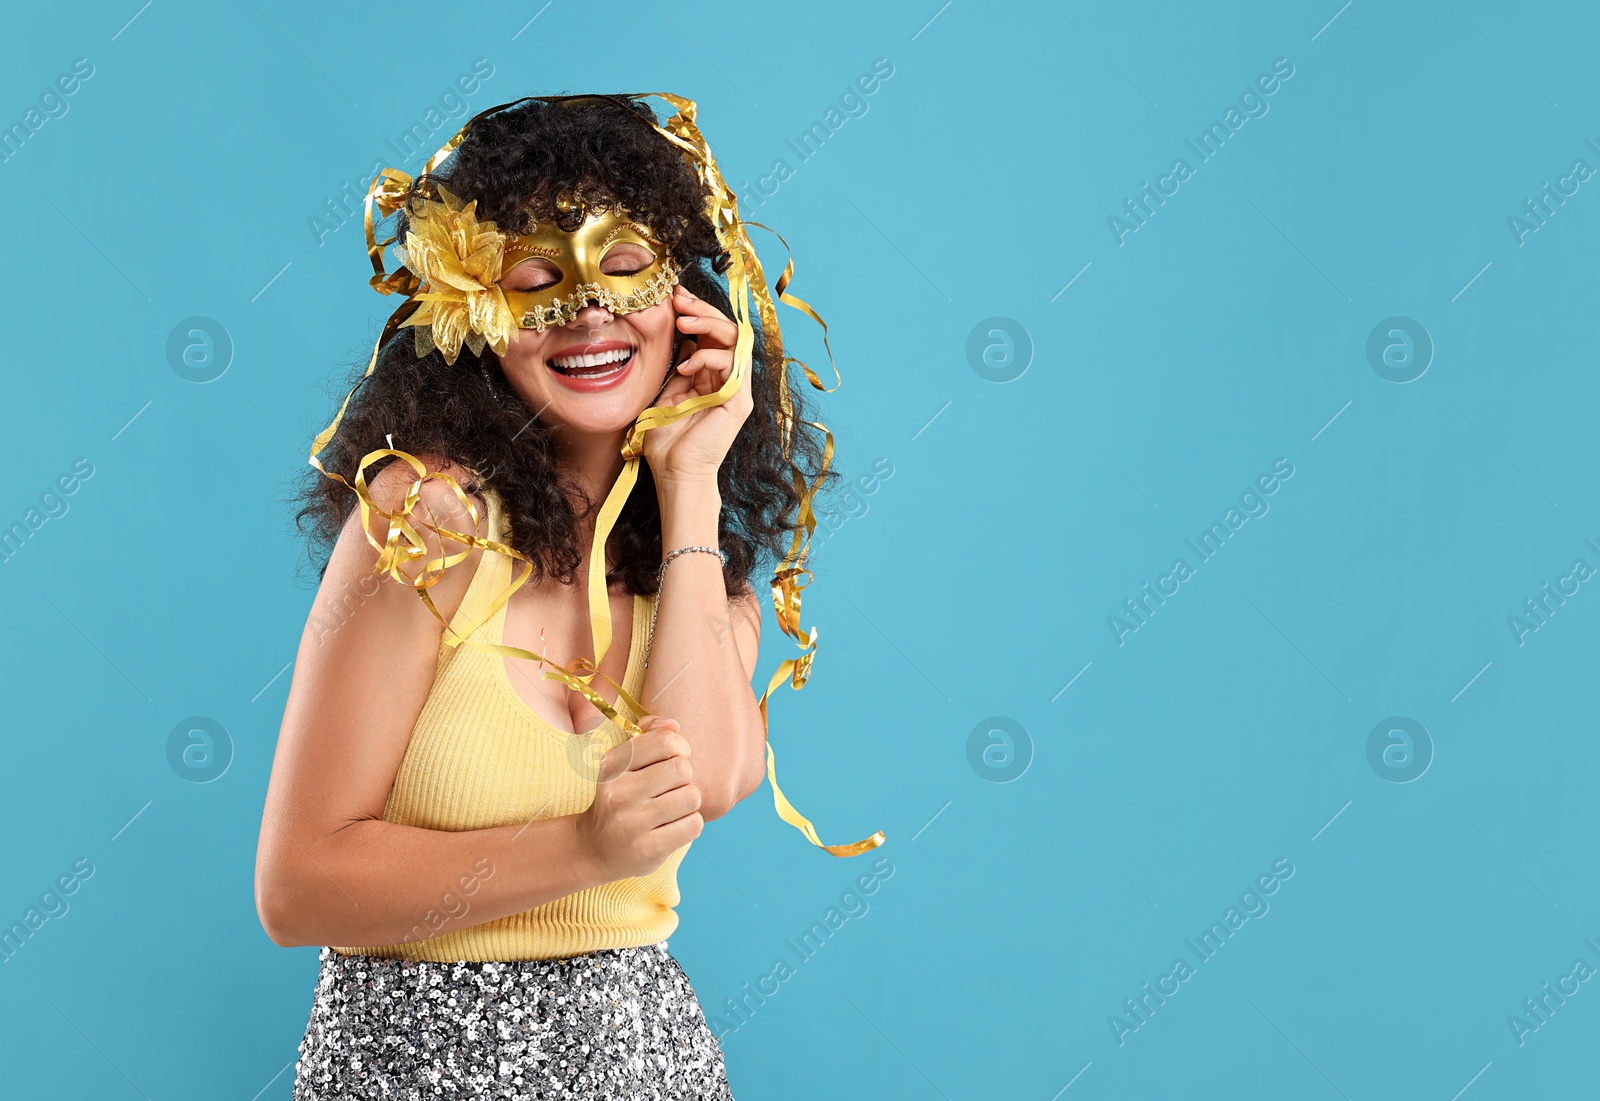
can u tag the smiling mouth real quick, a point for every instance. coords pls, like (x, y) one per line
(598, 366)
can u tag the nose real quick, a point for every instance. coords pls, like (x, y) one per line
(593, 315)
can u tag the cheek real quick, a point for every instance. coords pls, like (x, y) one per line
(528, 347)
(525, 345)
(657, 329)
(658, 323)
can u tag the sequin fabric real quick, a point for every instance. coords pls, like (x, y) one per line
(617, 1024)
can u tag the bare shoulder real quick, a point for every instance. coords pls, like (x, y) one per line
(367, 662)
(389, 487)
(437, 506)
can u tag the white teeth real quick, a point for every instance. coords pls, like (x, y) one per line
(572, 363)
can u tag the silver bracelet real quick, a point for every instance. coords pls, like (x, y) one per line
(655, 605)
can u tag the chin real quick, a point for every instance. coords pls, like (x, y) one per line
(606, 416)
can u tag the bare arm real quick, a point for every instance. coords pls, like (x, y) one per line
(329, 870)
(704, 653)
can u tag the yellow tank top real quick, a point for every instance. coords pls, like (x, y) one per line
(480, 757)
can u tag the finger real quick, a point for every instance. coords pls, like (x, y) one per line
(658, 724)
(614, 762)
(686, 301)
(657, 745)
(687, 347)
(719, 360)
(683, 830)
(718, 329)
(650, 722)
(701, 315)
(673, 805)
(663, 776)
(711, 372)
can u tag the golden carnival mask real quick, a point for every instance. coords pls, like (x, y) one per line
(610, 259)
(451, 278)
(458, 268)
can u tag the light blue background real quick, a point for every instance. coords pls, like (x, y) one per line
(1228, 732)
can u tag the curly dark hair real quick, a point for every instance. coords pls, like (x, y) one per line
(515, 161)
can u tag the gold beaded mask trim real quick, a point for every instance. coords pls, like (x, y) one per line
(576, 263)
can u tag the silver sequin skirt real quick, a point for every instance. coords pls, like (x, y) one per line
(615, 1025)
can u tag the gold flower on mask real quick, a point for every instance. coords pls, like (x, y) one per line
(459, 259)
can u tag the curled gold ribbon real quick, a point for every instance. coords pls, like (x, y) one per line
(402, 543)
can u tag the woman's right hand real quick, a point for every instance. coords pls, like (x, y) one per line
(646, 805)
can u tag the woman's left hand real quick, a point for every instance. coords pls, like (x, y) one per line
(692, 448)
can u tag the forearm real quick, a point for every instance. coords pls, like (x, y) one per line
(695, 674)
(377, 883)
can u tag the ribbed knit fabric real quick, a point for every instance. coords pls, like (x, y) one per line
(479, 757)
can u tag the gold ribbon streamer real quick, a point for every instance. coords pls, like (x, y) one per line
(403, 543)
(393, 555)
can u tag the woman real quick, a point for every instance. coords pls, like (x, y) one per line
(498, 858)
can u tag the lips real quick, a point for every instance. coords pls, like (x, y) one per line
(592, 366)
